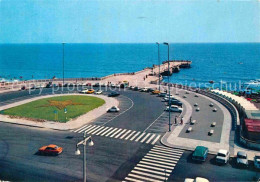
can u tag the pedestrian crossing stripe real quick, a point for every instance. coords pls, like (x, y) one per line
(120, 133)
(155, 166)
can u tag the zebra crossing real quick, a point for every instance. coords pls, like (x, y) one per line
(119, 133)
(156, 165)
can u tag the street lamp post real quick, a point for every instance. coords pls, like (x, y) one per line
(63, 61)
(159, 64)
(165, 43)
(77, 152)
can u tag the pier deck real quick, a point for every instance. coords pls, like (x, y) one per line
(140, 78)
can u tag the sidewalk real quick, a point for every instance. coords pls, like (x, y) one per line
(70, 125)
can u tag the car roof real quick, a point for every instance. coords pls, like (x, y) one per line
(222, 151)
(52, 145)
(200, 151)
(242, 153)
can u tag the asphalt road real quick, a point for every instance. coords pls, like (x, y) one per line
(108, 160)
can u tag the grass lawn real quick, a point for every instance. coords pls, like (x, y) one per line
(53, 108)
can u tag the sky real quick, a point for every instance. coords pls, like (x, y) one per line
(129, 21)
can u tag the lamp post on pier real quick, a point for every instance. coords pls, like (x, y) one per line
(159, 64)
(63, 62)
(84, 142)
(169, 92)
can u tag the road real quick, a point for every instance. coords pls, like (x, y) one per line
(114, 157)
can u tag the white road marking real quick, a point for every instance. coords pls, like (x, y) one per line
(159, 162)
(158, 165)
(166, 152)
(152, 171)
(125, 134)
(120, 133)
(159, 156)
(131, 179)
(106, 132)
(148, 141)
(148, 174)
(92, 126)
(159, 159)
(116, 132)
(135, 135)
(111, 132)
(121, 112)
(130, 135)
(153, 122)
(144, 178)
(93, 130)
(146, 136)
(98, 130)
(84, 127)
(105, 128)
(155, 140)
(162, 154)
(155, 168)
(140, 137)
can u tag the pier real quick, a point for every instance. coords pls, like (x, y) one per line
(140, 78)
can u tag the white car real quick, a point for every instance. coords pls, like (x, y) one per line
(222, 156)
(197, 179)
(215, 110)
(83, 91)
(211, 104)
(174, 109)
(257, 161)
(197, 109)
(145, 89)
(98, 92)
(113, 109)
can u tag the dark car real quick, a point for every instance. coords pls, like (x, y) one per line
(96, 85)
(113, 94)
(49, 85)
(136, 89)
(242, 160)
(200, 154)
(150, 90)
(175, 102)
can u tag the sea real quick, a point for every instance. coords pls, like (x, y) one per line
(232, 63)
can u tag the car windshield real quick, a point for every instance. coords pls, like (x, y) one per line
(221, 155)
(241, 156)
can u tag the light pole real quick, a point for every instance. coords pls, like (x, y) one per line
(63, 61)
(165, 43)
(77, 152)
(159, 64)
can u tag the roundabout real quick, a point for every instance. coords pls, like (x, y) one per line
(59, 111)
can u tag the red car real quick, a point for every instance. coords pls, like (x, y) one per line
(50, 149)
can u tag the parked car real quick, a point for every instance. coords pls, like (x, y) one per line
(113, 85)
(156, 92)
(50, 150)
(96, 85)
(197, 179)
(90, 91)
(113, 109)
(84, 91)
(175, 102)
(131, 87)
(49, 85)
(113, 94)
(150, 90)
(242, 159)
(162, 94)
(136, 88)
(166, 99)
(200, 154)
(23, 88)
(88, 84)
(144, 89)
(174, 109)
(222, 156)
(98, 92)
(257, 161)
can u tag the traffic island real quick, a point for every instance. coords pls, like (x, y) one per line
(62, 112)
